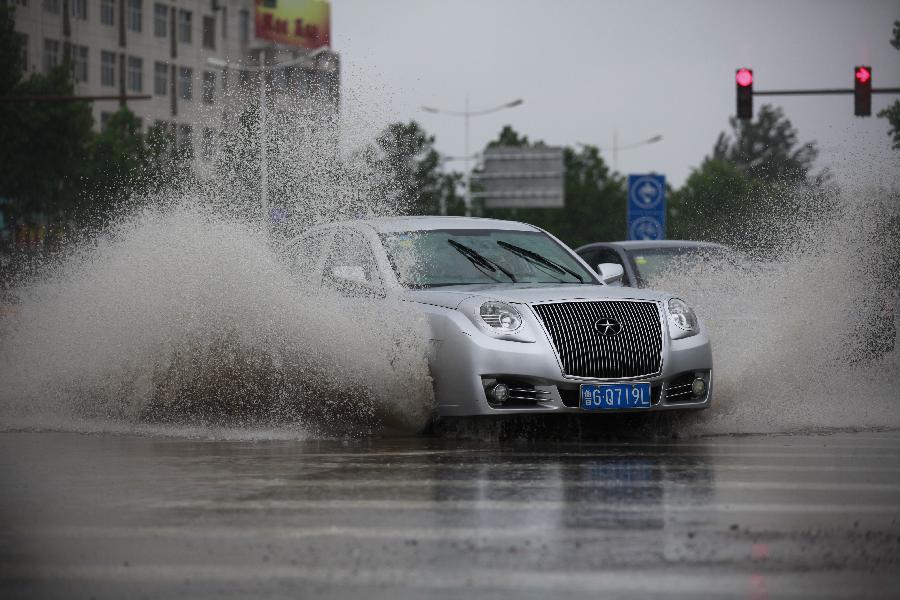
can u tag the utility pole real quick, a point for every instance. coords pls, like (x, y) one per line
(467, 114)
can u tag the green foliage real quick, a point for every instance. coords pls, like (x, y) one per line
(715, 200)
(42, 144)
(53, 162)
(510, 137)
(767, 148)
(892, 112)
(594, 197)
(121, 164)
(408, 153)
(757, 180)
(10, 51)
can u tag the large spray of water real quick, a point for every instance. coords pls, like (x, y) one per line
(801, 319)
(182, 315)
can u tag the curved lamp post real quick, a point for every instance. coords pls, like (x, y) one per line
(467, 114)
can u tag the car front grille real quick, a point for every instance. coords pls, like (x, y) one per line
(636, 351)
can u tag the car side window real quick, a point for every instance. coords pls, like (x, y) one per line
(350, 266)
(307, 253)
(607, 255)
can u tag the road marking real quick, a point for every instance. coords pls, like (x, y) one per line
(624, 463)
(476, 535)
(529, 505)
(558, 483)
(587, 582)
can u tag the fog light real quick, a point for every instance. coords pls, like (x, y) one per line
(698, 387)
(500, 392)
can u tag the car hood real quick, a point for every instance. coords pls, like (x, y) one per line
(452, 296)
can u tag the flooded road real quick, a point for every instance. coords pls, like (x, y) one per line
(113, 516)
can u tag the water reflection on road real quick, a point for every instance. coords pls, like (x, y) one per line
(749, 517)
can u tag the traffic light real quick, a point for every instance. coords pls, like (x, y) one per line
(862, 91)
(744, 79)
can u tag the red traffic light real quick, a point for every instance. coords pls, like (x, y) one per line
(744, 77)
(862, 90)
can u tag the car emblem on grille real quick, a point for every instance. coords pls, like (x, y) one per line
(607, 327)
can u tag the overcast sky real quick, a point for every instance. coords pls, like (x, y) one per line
(588, 68)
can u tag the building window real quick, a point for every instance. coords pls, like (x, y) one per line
(52, 6)
(107, 68)
(135, 8)
(80, 63)
(104, 120)
(185, 20)
(185, 83)
(160, 79)
(78, 9)
(51, 54)
(160, 20)
(207, 143)
(184, 138)
(135, 74)
(209, 32)
(209, 87)
(244, 25)
(107, 12)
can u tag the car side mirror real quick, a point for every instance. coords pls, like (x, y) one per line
(350, 280)
(611, 273)
(348, 273)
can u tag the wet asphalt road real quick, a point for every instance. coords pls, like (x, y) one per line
(112, 516)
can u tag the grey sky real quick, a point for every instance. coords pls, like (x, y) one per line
(586, 69)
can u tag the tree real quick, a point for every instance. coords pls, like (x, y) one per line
(41, 143)
(413, 163)
(121, 164)
(767, 148)
(714, 202)
(757, 178)
(594, 207)
(892, 112)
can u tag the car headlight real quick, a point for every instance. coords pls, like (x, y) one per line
(682, 319)
(500, 316)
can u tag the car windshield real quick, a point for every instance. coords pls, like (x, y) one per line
(441, 257)
(651, 262)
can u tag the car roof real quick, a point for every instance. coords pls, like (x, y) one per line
(425, 223)
(651, 244)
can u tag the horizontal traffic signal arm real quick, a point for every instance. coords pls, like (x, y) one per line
(895, 90)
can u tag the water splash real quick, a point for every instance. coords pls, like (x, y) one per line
(181, 315)
(800, 334)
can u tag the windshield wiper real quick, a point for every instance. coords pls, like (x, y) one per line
(477, 259)
(535, 257)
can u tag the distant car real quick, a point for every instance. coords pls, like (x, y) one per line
(641, 260)
(518, 322)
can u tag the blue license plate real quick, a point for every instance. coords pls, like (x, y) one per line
(615, 396)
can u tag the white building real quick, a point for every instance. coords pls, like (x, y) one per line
(161, 48)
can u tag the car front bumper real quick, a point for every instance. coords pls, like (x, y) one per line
(465, 362)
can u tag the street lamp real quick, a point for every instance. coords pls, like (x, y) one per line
(263, 69)
(616, 147)
(466, 114)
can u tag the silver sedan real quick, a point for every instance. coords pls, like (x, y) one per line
(518, 322)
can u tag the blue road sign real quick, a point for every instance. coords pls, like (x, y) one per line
(646, 207)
